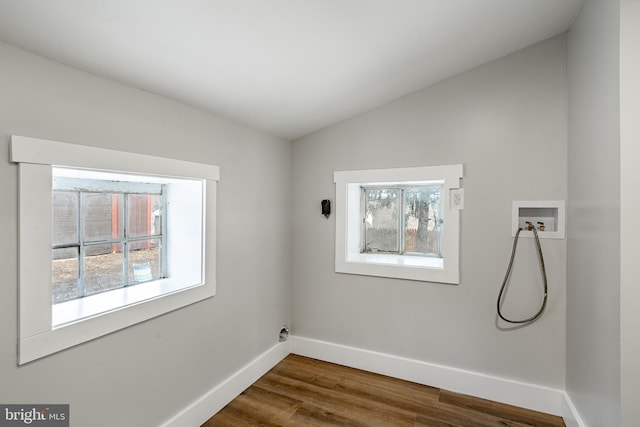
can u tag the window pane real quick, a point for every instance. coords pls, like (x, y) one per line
(65, 217)
(103, 268)
(423, 225)
(144, 215)
(102, 215)
(144, 261)
(64, 269)
(381, 220)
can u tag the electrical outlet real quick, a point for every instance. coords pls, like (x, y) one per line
(456, 198)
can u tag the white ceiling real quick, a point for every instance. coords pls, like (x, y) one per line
(287, 67)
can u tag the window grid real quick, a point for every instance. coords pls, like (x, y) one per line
(66, 185)
(401, 219)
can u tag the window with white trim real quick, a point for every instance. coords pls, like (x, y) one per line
(107, 239)
(398, 223)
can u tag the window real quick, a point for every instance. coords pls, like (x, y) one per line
(107, 239)
(404, 220)
(107, 233)
(398, 223)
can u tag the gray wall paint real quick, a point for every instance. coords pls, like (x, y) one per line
(507, 122)
(630, 207)
(145, 374)
(593, 293)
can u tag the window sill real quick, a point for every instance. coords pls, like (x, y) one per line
(399, 260)
(67, 313)
(424, 269)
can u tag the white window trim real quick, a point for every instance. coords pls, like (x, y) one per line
(348, 258)
(37, 335)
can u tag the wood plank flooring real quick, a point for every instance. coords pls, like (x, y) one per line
(300, 391)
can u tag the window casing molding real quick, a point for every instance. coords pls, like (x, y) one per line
(348, 257)
(39, 333)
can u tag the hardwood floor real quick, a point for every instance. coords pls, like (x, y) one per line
(306, 392)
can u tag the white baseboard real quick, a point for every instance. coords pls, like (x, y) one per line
(525, 395)
(570, 413)
(531, 396)
(219, 396)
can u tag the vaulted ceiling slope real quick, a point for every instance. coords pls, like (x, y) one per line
(287, 67)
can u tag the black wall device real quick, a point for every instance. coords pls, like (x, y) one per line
(326, 208)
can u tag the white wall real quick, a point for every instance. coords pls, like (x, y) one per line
(507, 123)
(143, 375)
(593, 293)
(630, 206)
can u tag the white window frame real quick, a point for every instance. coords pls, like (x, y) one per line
(42, 333)
(348, 257)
